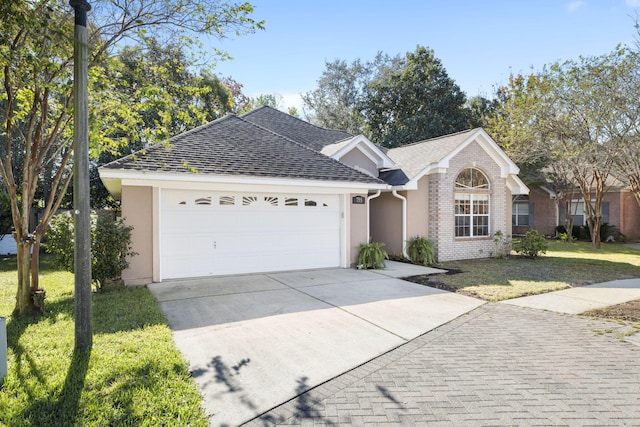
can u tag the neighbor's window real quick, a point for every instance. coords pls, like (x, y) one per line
(471, 204)
(520, 211)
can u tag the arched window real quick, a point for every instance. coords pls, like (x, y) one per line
(472, 178)
(471, 204)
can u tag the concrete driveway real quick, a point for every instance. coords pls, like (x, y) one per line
(254, 342)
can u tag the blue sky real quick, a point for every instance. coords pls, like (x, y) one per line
(479, 42)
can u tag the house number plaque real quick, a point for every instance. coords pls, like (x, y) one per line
(358, 200)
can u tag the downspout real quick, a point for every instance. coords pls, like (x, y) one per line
(404, 221)
(373, 196)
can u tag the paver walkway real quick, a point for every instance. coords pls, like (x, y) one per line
(498, 365)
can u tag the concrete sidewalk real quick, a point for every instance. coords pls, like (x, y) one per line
(584, 298)
(256, 341)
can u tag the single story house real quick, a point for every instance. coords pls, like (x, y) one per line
(542, 210)
(266, 191)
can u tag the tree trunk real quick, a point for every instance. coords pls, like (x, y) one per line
(35, 263)
(24, 302)
(594, 224)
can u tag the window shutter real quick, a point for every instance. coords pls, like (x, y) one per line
(531, 216)
(605, 212)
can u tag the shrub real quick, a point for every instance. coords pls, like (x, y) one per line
(110, 245)
(531, 245)
(609, 231)
(420, 251)
(371, 255)
(576, 232)
(503, 245)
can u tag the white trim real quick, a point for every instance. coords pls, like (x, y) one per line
(404, 222)
(516, 186)
(473, 196)
(345, 231)
(368, 148)
(115, 179)
(369, 198)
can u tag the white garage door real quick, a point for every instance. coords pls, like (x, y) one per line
(213, 233)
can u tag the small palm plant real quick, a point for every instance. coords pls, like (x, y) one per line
(372, 255)
(420, 251)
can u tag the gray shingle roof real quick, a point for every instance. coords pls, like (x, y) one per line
(234, 146)
(394, 177)
(293, 128)
(414, 158)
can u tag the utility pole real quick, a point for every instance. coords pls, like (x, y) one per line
(81, 201)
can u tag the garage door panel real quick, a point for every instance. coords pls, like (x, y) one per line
(232, 233)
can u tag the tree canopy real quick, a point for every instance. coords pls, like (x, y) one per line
(36, 63)
(415, 101)
(576, 118)
(393, 100)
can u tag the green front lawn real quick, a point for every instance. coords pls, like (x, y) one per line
(564, 265)
(134, 375)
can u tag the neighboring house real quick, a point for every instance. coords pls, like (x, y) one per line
(541, 210)
(269, 192)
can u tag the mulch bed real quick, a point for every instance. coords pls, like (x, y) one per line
(628, 311)
(432, 280)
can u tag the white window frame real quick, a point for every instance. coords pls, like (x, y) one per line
(475, 200)
(476, 193)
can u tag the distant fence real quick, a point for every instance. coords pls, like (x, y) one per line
(7, 245)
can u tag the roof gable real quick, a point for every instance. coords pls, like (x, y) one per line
(363, 145)
(233, 146)
(294, 128)
(433, 155)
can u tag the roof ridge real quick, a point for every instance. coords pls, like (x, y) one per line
(299, 144)
(296, 118)
(227, 116)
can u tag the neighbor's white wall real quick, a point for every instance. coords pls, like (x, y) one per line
(8, 245)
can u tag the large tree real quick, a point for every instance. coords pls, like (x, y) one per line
(627, 165)
(336, 102)
(36, 63)
(393, 100)
(414, 101)
(577, 116)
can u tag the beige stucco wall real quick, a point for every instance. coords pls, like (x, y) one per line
(137, 211)
(441, 207)
(356, 158)
(357, 227)
(386, 222)
(417, 210)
